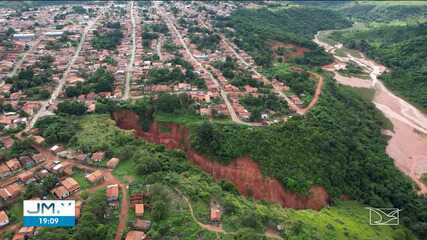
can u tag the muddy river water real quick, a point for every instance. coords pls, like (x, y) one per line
(408, 142)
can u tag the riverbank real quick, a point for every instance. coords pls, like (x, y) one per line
(408, 142)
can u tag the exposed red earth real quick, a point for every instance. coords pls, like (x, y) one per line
(243, 172)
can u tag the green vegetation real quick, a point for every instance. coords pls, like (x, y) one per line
(400, 49)
(424, 178)
(338, 145)
(62, 42)
(182, 71)
(72, 107)
(353, 69)
(97, 134)
(41, 188)
(108, 39)
(99, 81)
(299, 81)
(255, 29)
(205, 41)
(148, 164)
(33, 77)
(57, 129)
(268, 103)
(384, 12)
(80, 177)
(19, 148)
(97, 222)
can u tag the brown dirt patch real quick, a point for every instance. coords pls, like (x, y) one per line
(243, 172)
(291, 50)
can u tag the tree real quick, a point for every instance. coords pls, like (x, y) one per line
(72, 107)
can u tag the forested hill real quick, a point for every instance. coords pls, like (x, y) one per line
(255, 28)
(383, 12)
(403, 50)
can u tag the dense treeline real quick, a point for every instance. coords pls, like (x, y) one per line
(255, 29)
(108, 39)
(402, 49)
(99, 81)
(97, 222)
(338, 145)
(182, 71)
(383, 12)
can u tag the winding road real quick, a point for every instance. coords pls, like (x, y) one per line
(218, 228)
(277, 89)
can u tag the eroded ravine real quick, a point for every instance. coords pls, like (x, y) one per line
(408, 142)
(243, 172)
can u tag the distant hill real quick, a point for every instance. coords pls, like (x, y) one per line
(403, 50)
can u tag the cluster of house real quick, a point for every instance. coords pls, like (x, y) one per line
(90, 59)
(139, 66)
(35, 29)
(24, 36)
(26, 171)
(139, 226)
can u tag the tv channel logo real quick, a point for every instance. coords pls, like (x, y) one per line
(384, 216)
(49, 213)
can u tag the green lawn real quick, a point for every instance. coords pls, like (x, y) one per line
(79, 176)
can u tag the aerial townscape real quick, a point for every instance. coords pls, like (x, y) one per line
(206, 120)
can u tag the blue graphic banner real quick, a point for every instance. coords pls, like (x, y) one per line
(43, 221)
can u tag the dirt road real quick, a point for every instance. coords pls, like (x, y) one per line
(223, 94)
(218, 228)
(124, 210)
(45, 104)
(408, 143)
(24, 56)
(276, 89)
(129, 70)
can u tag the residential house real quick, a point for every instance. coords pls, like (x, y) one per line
(95, 177)
(135, 235)
(143, 225)
(139, 209)
(26, 177)
(78, 207)
(98, 156)
(38, 139)
(70, 184)
(113, 162)
(215, 214)
(26, 161)
(112, 193)
(57, 149)
(7, 141)
(57, 168)
(4, 219)
(24, 233)
(38, 157)
(4, 171)
(60, 192)
(11, 191)
(81, 157)
(13, 164)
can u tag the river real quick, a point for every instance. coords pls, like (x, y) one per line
(408, 139)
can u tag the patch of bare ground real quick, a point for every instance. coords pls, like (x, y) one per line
(285, 51)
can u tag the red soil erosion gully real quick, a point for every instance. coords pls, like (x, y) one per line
(243, 172)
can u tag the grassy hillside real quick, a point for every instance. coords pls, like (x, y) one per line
(400, 48)
(148, 164)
